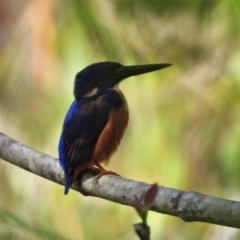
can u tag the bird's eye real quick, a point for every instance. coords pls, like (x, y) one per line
(119, 69)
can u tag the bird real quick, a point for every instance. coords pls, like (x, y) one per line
(96, 120)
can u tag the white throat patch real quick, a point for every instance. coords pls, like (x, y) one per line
(91, 92)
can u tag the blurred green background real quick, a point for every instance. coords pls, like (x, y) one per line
(184, 129)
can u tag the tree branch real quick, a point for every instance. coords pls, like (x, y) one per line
(189, 206)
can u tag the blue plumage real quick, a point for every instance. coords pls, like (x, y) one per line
(62, 142)
(83, 124)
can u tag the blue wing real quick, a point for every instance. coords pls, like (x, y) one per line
(82, 127)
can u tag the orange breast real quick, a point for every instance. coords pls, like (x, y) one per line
(111, 135)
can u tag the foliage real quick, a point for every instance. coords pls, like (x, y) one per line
(184, 121)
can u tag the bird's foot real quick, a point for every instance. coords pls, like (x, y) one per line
(103, 171)
(106, 172)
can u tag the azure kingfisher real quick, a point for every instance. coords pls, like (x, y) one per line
(96, 121)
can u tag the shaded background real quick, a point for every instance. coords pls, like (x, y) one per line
(184, 129)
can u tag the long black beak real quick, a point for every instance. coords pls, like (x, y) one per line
(129, 71)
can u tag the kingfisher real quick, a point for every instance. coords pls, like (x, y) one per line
(96, 120)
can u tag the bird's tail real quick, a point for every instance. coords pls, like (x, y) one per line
(68, 182)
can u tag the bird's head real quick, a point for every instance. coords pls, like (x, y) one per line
(103, 75)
